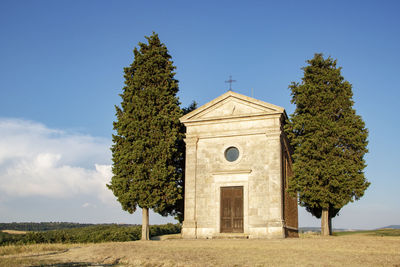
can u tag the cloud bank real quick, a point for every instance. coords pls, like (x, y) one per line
(38, 161)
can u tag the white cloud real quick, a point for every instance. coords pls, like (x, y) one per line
(38, 161)
(88, 205)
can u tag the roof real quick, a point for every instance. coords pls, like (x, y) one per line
(232, 105)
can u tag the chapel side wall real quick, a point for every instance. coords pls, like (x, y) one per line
(290, 203)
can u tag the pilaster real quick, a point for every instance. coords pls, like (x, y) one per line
(276, 220)
(189, 227)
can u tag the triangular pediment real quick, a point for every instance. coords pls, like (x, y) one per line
(230, 105)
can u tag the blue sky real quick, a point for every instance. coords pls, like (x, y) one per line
(61, 70)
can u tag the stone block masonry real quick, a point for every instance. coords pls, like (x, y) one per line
(235, 144)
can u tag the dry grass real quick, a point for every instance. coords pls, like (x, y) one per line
(25, 255)
(352, 250)
(14, 232)
(36, 249)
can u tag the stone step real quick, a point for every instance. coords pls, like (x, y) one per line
(230, 236)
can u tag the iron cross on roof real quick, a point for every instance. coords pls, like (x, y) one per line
(230, 81)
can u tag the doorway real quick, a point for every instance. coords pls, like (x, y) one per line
(232, 209)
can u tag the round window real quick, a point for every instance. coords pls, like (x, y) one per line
(231, 153)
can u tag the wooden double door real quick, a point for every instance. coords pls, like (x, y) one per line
(232, 209)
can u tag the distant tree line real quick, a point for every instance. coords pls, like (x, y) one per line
(88, 234)
(42, 226)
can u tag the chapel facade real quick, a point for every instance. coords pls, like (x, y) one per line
(238, 162)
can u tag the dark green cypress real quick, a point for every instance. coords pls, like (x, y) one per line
(329, 141)
(146, 151)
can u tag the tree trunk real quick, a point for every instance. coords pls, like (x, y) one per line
(145, 224)
(325, 222)
(330, 225)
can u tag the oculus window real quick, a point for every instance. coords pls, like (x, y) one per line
(231, 154)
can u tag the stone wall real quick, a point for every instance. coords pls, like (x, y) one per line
(257, 170)
(254, 128)
(290, 203)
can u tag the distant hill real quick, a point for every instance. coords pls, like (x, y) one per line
(318, 229)
(309, 229)
(86, 234)
(390, 227)
(42, 226)
(46, 226)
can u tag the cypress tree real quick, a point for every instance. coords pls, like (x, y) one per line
(146, 150)
(329, 142)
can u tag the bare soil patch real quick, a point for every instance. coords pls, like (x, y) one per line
(350, 250)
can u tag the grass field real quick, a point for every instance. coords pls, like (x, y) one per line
(14, 232)
(356, 249)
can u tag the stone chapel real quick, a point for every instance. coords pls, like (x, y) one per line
(238, 161)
